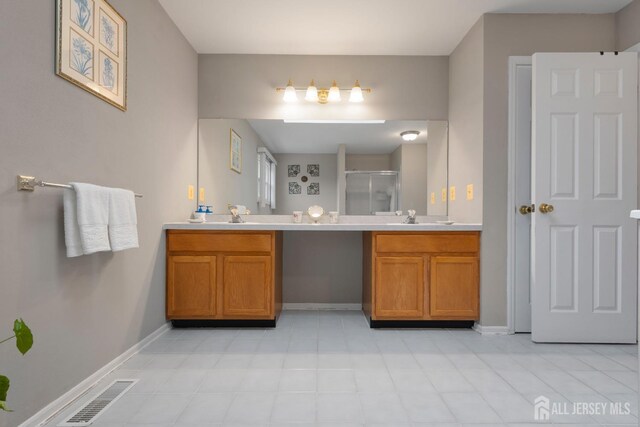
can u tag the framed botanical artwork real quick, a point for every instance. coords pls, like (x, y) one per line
(235, 152)
(91, 48)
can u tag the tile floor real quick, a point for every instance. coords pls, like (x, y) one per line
(331, 369)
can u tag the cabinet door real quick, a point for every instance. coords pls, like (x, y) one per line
(247, 286)
(191, 286)
(454, 287)
(399, 287)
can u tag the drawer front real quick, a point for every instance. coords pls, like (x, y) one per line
(219, 242)
(428, 243)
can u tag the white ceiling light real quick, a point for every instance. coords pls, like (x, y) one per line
(409, 135)
(312, 92)
(334, 93)
(356, 93)
(290, 93)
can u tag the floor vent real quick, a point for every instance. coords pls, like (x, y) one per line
(86, 415)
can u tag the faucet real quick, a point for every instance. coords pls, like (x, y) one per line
(235, 216)
(411, 219)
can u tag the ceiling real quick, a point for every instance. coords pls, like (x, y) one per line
(348, 27)
(309, 138)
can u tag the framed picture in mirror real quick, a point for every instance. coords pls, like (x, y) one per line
(235, 152)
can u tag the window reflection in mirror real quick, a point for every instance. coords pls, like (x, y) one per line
(353, 168)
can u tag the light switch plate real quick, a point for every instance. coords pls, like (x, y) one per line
(191, 192)
(452, 193)
(470, 192)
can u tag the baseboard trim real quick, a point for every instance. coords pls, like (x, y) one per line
(54, 408)
(421, 324)
(220, 323)
(491, 330)
(321, 306)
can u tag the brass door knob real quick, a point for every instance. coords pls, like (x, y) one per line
(545, 208)
(525, 209)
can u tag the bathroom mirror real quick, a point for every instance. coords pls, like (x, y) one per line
(366, 168)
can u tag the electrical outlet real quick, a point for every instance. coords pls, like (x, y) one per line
(444, 194)
(201, 195)
(470, 192)
(452, 193)
(433, 198)
(191, 192)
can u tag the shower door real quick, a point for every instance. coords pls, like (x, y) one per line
(371, 192)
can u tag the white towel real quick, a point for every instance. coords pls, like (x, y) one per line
(123, 228)
(93, 217)
(71, 228)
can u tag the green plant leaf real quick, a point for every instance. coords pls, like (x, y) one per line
(24, 338)
(4, 388)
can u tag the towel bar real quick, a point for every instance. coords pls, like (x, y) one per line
(29, 183)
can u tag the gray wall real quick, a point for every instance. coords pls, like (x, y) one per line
(628, 26)
(287, 203)
(243, 86)
(222, 185)
(437, 163)
(504, 36)
(413, 178)
(322, 267)
(368, 162)
(85, 311)
(466, 91)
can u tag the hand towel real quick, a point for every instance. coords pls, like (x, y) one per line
(71, 228)
(93, 217)
(123, 228)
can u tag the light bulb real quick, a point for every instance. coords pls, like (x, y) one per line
(334, 93)
(356, 93)
(290, 93)
(410, 135)
(312, 93)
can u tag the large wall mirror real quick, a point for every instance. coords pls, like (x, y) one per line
(277, 167)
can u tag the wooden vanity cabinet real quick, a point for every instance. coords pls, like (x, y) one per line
(224, 275)
(417, 276)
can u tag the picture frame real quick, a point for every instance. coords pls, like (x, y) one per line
(235, 152)
(91, 48)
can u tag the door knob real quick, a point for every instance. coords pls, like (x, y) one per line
(525, 209)
(545, 208)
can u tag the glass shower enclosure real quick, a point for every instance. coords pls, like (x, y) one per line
(371, 192)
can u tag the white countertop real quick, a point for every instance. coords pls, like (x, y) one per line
(321, 227)
(635, 214)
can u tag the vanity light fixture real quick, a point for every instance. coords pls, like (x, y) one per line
(410, 135)
(290, 93)
(334, 93)
(312, 92)
(323, 95)
(356, 93)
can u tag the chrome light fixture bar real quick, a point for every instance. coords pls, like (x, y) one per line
(322, 95)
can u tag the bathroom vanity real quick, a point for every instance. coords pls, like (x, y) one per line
(413, 275)
(369, 175)
(224, 275)
(420, 276)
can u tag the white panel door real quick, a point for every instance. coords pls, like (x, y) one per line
(584, 251)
